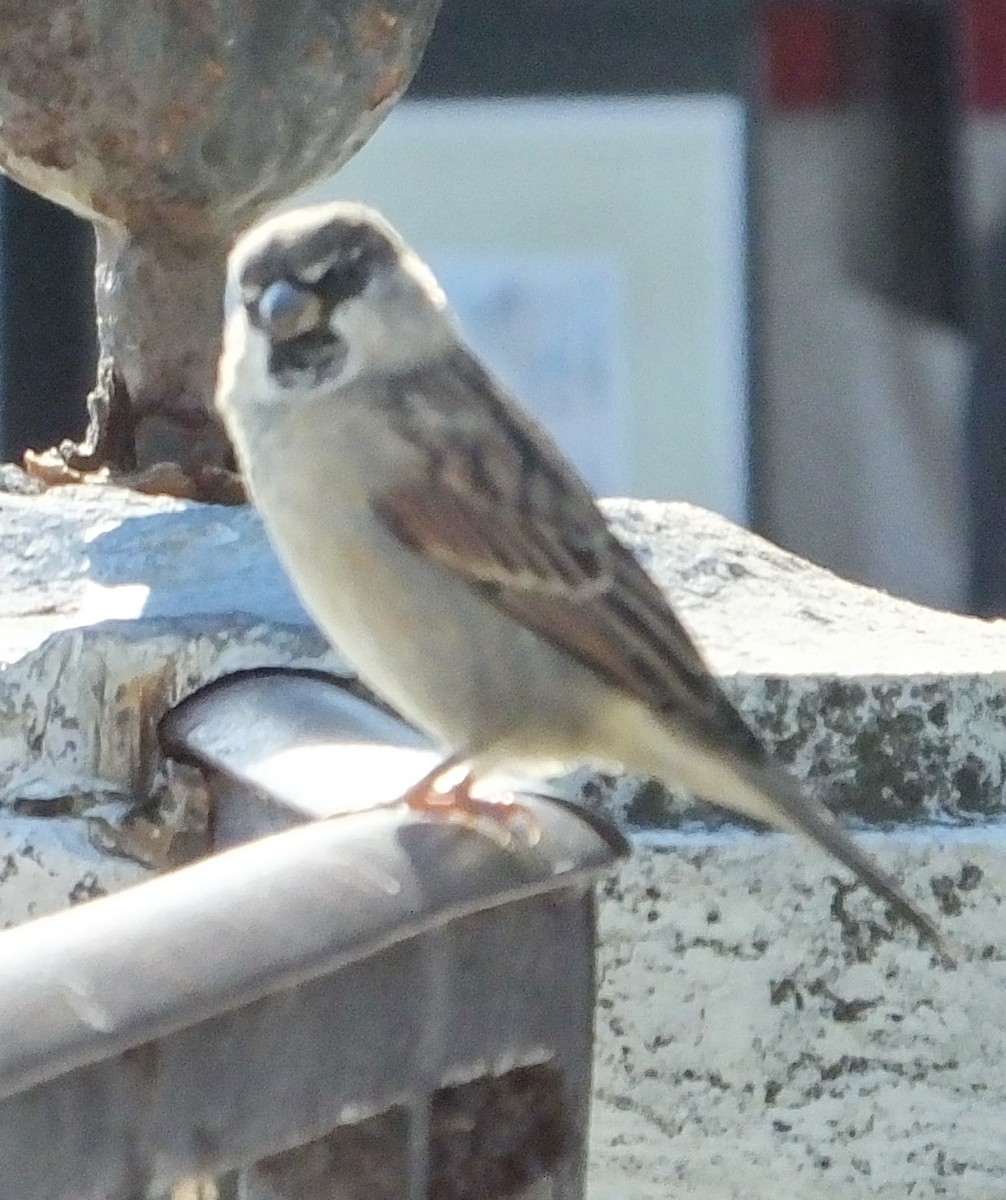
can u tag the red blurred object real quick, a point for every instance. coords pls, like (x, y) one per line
(800, 48)
(983, 25)
(802, 60)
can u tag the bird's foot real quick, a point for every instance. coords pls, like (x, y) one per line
(446, 793)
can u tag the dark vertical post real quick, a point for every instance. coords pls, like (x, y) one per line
(983, 33)
(986, 431)
(902, 208)
(47, 334)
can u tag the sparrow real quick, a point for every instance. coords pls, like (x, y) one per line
(443, 543)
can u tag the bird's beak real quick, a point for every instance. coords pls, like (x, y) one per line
(287, 310)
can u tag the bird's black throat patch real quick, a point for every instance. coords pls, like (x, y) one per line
(308, 360)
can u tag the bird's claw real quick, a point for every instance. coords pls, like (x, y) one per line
(445, 796)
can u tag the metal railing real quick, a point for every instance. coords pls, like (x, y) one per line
(381, 1004)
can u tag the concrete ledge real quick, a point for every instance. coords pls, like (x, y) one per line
(893, 711)
(114, 605)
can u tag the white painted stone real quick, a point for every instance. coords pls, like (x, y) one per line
(113, 606)
(47, 864)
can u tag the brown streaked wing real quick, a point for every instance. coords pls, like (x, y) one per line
(502, 509)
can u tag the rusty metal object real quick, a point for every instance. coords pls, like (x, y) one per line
(173, 125)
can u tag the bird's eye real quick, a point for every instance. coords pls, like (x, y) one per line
(344, 279)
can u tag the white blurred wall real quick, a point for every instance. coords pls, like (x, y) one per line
(863, 404)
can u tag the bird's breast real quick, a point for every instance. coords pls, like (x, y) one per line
(439, 651)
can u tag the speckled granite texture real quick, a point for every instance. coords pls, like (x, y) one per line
(763, 1032)
(894, 711)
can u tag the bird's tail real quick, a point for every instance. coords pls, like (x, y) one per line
(743, 778)
(787, 804)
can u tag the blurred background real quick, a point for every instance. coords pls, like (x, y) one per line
(751, 255)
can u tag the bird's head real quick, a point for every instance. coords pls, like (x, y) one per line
(321, 296)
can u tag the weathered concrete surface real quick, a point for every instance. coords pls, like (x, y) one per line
(113, 606)
(759, 1035)
(48, 864)
(892, 710)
